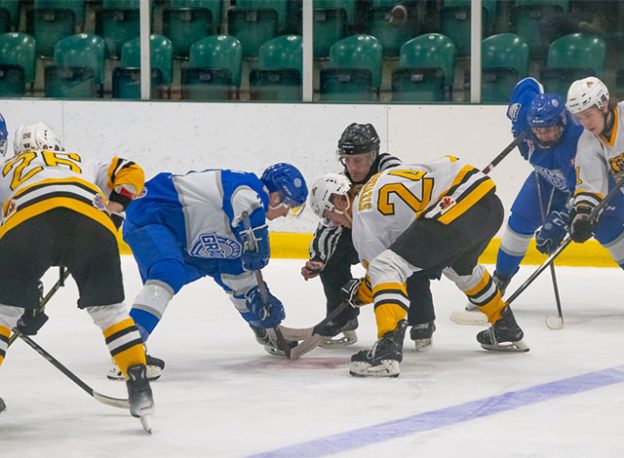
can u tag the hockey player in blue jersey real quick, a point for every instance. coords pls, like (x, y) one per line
(549, 134)
(190, 226)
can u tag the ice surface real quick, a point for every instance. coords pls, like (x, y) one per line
(222, 396)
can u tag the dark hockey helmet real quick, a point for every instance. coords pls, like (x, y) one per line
(359, 139)
(546, 110)
(288, 181)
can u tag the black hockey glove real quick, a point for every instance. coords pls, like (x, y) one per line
(583, 225)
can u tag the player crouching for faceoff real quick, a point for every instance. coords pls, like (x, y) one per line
(190, 226)
(57, 212)
(434, 218)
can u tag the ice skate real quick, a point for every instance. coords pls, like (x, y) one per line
(504, 335)
(155, 366)
(333, 329)
(421, 334)
(140, 395)
(383, 358)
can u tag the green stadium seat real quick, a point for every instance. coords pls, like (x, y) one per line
(390, 36)
(572, 57)
(127, 83)
(9, 15)
(332, 21)
(278, 72)
(505, 61)
(72, 55)
(214, 71)
(187, 21)
(354, 70)
(279, 6)
(161, 55)
(117, 24)
(19, 49)
(455, 22)
(526, 16)
(17, 63)
(252, 28)
(426, 70)
(48, 26)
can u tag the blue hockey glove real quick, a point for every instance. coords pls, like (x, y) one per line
(582, 226)
(551, 234)
(263, 315)
(523, 93)
(256, 247)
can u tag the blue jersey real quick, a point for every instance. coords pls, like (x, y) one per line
(202, 209)
(556, 164)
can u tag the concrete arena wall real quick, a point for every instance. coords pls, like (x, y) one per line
(177, 137)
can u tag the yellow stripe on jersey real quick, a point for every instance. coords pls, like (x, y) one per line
(467, 201)
(57, 202)
(4, 341)
(47, 181)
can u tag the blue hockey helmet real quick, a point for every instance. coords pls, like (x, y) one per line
(288, 181)
(4, 136)
(546, 110)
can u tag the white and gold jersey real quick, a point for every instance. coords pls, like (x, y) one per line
(34, 182)
(391, 200)
(596, 158)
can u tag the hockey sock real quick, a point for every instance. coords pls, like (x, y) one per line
(4, 342)
(391, 306)
(487, 297)
(125, 344)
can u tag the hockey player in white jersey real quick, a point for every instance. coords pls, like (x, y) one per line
(190, 226)
(433, 218)
(56, 209)
(599, 157)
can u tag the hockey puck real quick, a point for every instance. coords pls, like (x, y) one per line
(2, 405)
(554, 322)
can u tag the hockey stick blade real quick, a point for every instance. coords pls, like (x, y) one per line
(146, 423)
(306, 346)
(464, 317)
(554, 322)
(108, 400)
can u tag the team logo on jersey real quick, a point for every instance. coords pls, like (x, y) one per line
(98, 202)
(554, 177)
(445, 204)
(211, 245)
(617, 163)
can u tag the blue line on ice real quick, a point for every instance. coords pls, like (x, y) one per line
(447, 416)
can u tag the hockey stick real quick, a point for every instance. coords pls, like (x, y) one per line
(551, 321)
(63, 274)
(114, 402)
(594, 214)
(503, 154)
(275, 335)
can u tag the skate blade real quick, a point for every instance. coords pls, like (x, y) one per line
(387, 368)
(146, 423)
(349, 338)
(509, 347)
(463, 317)
(2, 405)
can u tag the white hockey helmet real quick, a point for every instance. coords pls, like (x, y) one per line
(36, 136)
(324, 188)
(585, 93)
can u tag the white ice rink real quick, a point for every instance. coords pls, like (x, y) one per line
(223, 396)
